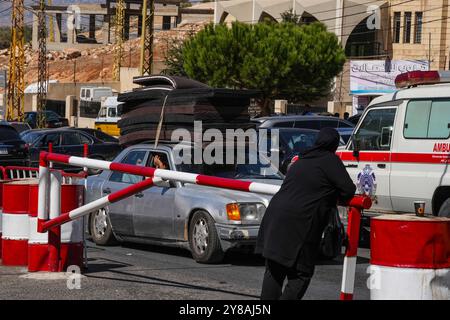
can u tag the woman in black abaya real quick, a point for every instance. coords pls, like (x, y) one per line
(294, 221)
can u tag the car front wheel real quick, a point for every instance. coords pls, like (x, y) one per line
(100, 228)
(203, 239)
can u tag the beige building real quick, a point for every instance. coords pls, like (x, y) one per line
(386, 36)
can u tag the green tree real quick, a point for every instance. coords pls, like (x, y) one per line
(173, 58)
(289, 16)
(5, 36)
(283, 61)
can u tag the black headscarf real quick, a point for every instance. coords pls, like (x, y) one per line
(327, 141)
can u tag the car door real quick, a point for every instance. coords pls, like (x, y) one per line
(121, 212)
(154, 208)
(71, 144)
(42, 145)
(371, 168)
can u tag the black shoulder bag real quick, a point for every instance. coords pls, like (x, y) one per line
(333, 237)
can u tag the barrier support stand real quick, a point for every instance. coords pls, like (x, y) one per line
(357, 204)
(85, 171)
(54, 234)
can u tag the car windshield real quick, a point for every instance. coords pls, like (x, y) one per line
(298, 141)
(8, 133)
(259, 169)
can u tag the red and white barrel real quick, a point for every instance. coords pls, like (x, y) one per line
(1, 210)
(410, 258)
(15, 223)
(71, 250)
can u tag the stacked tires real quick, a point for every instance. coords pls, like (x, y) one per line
(185, 101)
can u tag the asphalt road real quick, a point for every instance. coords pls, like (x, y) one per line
(133, 271)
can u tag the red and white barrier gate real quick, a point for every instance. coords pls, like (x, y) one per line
(44, 223)
(410, 258)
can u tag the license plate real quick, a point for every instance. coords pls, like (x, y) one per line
(3, 151)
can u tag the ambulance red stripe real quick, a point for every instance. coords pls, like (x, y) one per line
(397, 157)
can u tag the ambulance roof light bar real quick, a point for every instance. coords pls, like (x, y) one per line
(415, 78)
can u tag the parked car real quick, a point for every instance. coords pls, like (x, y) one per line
(354, 119)
(20, 126)
(292, 141)
(344, 127)
(208, 221)
(13, 150)
(67, 141)
(52, 119)
(98, 134)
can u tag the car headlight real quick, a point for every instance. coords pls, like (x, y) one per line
(245, 212)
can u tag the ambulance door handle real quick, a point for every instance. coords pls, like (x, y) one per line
(381, 165)
(351, 166)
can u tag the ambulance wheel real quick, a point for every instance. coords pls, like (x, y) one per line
(100, 228)
(204, 240)
(444, 211)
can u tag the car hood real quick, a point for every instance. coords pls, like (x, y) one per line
(233, 195)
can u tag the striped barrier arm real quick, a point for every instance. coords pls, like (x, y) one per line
(45, 225)
(199, 179)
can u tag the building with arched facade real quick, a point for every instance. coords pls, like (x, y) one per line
(381, 39)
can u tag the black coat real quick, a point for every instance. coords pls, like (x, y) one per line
(299, 211)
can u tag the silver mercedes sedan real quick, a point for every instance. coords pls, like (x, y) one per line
(207, 221)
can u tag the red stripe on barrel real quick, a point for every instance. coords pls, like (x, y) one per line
(410, 242)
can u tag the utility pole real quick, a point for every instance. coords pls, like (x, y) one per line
(42, 66)
(16, 82)
(146, 62)
(51, 36)
(118, 47)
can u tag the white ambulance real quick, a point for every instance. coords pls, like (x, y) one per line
(400, 150)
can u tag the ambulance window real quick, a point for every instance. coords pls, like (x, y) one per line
(426, 119)
(416, 121)
(375, 131)
(439, 127)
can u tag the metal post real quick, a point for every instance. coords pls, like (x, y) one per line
(54, 234)
(85, 170)
(50, 150)
(348, 275)
(44, 183)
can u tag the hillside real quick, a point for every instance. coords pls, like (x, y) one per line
(95, 65)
